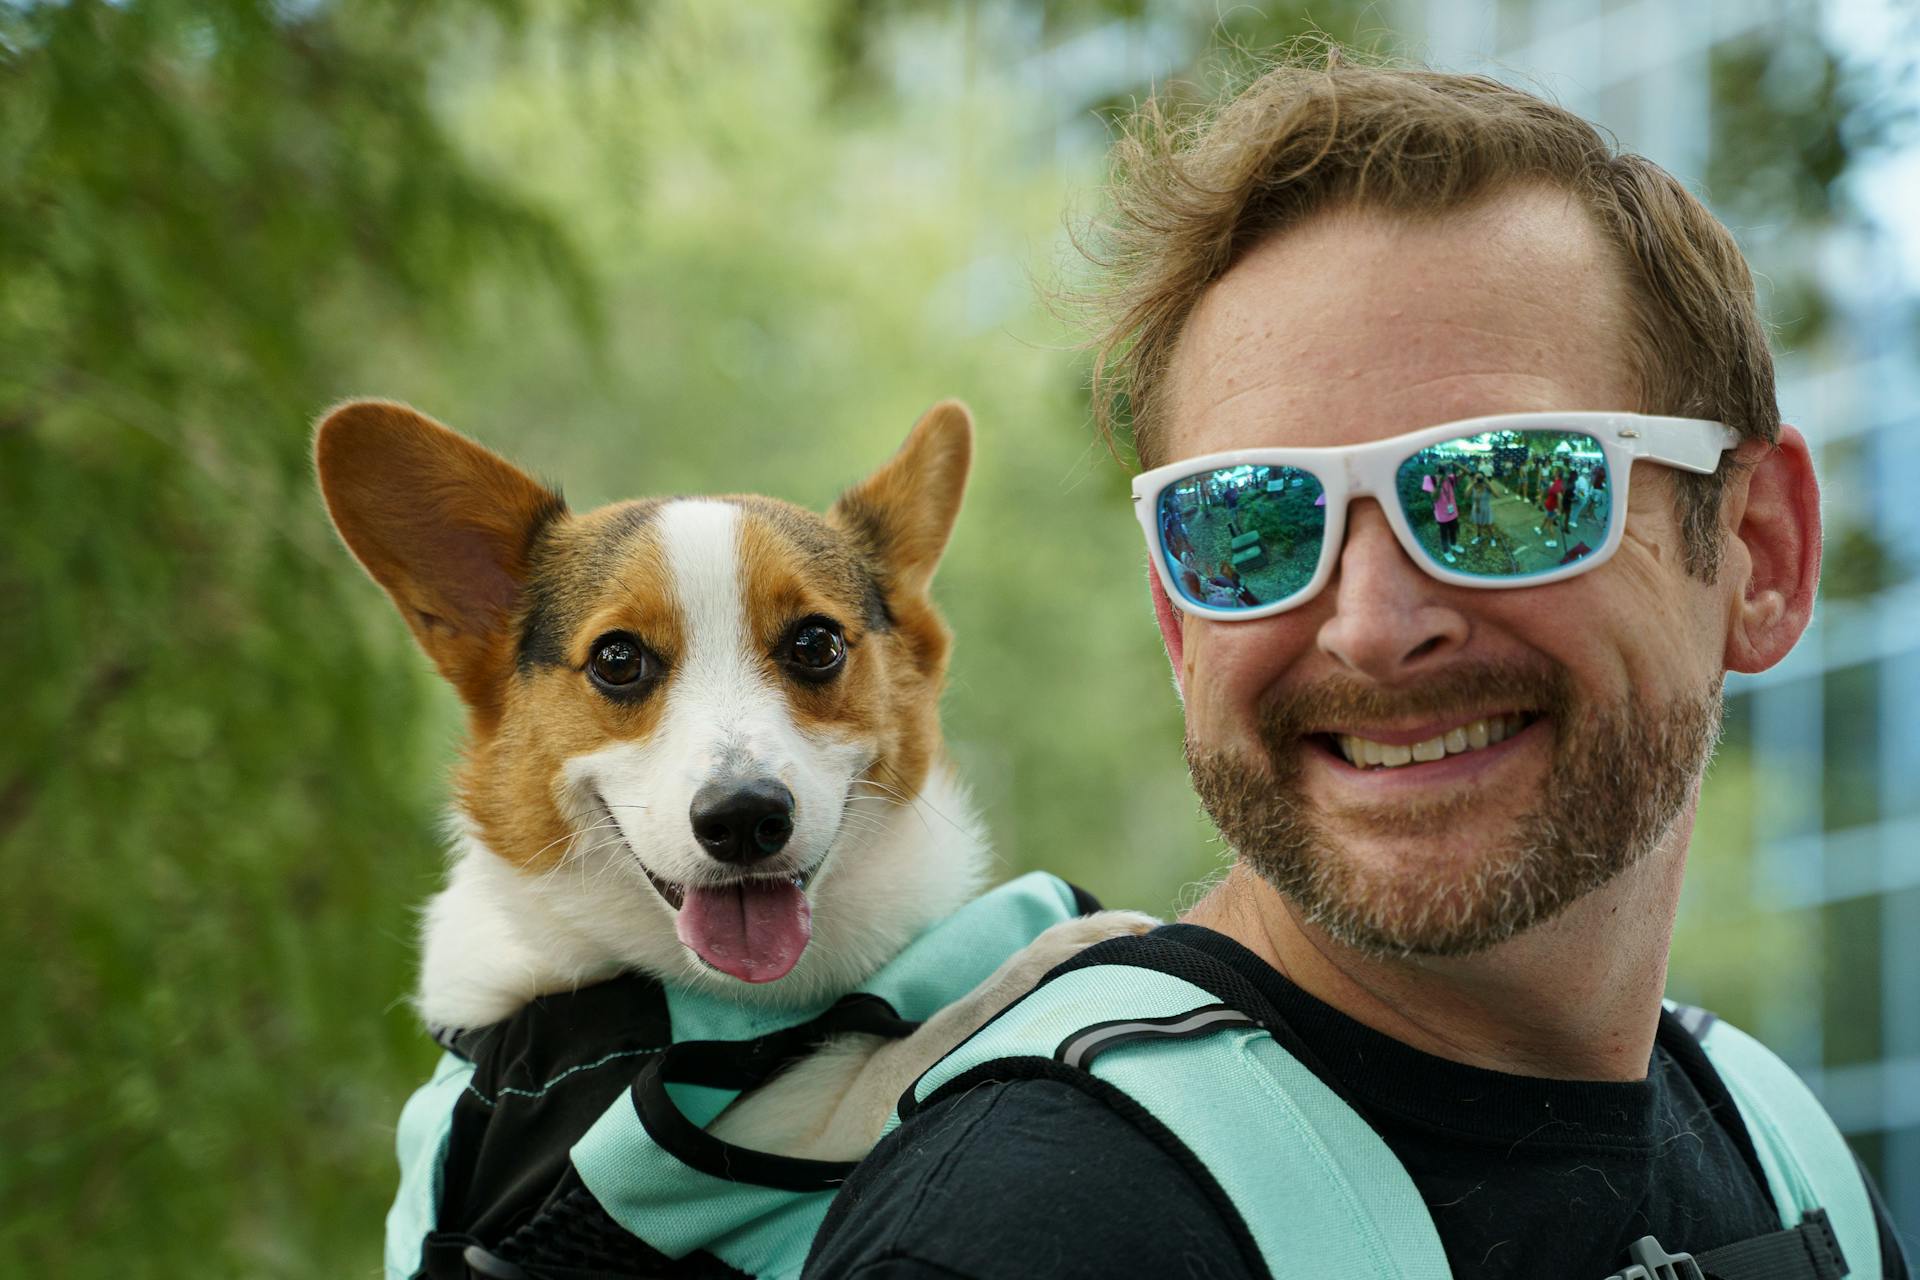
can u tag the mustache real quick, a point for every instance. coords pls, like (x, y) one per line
(1461, 690)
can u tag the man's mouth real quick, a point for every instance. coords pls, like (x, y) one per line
(1474, 735)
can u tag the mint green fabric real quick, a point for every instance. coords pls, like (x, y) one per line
(760, 1230)
(1806, 1160)
(1036, 1025)
(701, 1103)
(425, 1123)
(1319, 1191)
(1368, 1218)
(1321, 1194)
(935, 969)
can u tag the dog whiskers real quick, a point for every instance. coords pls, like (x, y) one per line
(852, 821)
(572, 836)
(892, 796)
(919, 798)
(900, 796)
(589, 878)
(576, 857)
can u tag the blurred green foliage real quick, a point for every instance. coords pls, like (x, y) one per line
(1790, 116)
(642, 248)
(216, 781)
(643, 253)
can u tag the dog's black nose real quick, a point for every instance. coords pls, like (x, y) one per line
(742, 819)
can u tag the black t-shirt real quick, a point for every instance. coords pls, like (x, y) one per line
(1038, 1176)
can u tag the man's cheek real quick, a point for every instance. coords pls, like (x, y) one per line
(1664, 611)
(1220, 695)
(1644, 555)
(1647, 579)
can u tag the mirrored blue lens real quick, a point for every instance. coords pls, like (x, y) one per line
(1508, 504)
(1242, 537)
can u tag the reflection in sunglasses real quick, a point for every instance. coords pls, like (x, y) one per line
(1498, 504)
(1241, 537)
(1507, 504)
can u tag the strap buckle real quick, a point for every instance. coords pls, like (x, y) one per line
(1647, 1259)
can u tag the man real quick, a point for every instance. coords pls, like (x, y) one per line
(1460, 815)
(1582, 495)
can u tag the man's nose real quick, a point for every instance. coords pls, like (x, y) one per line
(1391, 621)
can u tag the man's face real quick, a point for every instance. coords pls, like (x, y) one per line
(1358, 326)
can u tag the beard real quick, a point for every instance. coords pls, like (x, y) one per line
(1620, 775)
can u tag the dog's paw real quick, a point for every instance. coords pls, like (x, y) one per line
(1070, 937)
(1063, 941)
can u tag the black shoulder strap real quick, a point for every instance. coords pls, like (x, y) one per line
(1809, 1251)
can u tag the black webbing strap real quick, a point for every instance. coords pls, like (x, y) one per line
(1809, 1251)
(747, 1064)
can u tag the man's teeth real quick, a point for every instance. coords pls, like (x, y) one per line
(1366, 753)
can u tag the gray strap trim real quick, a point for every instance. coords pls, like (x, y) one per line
(1080, 1048)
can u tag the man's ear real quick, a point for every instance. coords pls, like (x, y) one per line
(1171, 634)
(1773, 514)
(444, 525)
(905, 510)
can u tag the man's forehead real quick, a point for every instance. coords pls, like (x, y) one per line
(1361, 324)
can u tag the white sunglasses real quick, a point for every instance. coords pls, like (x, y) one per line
(1513, 500)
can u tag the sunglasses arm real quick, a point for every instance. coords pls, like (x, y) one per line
(1686, 443)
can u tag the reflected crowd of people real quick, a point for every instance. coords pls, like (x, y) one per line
(1244, 536)
(1564, 503)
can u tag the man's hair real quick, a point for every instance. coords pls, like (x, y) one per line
(1193, 192)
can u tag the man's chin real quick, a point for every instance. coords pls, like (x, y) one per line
(1393, 897)
(1381, 857)
(1448, 872)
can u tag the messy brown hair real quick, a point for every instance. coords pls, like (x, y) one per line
(1193, 190)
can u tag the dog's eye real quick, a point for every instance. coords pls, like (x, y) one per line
(620, 662)
(816, 649)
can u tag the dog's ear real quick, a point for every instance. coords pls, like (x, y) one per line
(905, 510)
(444, 525)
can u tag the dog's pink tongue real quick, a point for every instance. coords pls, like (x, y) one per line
(754, 930)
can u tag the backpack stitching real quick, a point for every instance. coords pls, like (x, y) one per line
(543, 1089)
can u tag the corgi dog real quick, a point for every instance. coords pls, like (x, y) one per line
(703, 745)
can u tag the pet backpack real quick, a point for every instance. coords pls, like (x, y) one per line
(1191, 1062)
(568, 1142)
